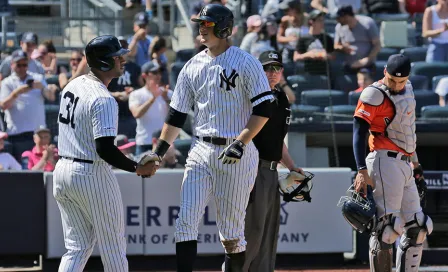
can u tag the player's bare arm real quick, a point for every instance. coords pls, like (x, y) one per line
(288, 162)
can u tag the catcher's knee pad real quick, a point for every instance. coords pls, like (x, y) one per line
(409, 253)
(388, 229)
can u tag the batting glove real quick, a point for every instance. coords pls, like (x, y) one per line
(150, 157)
(233, 153)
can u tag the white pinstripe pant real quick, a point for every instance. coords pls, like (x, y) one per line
(91, 207)
(230, 185)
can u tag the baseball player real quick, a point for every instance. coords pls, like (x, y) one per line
(232, 101)
(263, 211)
(84, 185)
(386, 109)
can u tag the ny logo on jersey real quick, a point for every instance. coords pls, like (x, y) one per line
(230, 81)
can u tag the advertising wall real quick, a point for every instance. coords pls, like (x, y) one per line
(151, 207)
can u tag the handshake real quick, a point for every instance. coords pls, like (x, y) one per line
(148, 164)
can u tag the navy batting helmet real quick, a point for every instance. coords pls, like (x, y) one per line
(359, 211)
(220, 15)
(101, 50)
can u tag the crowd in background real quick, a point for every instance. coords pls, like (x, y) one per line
(32, 78)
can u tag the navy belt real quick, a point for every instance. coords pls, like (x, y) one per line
(77, 160)
(215, 140)
(395, 154)
(271, 165)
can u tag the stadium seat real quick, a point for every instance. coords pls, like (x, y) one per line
(51, 118)
(340, 112)
(436, 79)
(293, 68)
(419, 82)
(353, 98)
(434, 111)
(385, 53)
(308, 82)
(53, 80)
(321, 98)
(379, 70)
(175, 70)
(307, 111)
(183, 146)
(424, 98)
(430, 70)
(415, 53)
(345, 83)
(24, 159)
(185, 55)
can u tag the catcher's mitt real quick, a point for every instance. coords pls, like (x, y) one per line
(292, 190)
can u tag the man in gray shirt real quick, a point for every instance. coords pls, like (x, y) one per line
(357, 38)
(28, 43)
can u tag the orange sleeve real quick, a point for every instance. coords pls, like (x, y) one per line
(366, 111)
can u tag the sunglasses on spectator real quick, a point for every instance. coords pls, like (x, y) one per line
(22, 65)
(272, 68)
(76, 59)
(207, 24)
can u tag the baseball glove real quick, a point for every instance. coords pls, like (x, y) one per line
(296, 187)
(421, 184)
(149, 157)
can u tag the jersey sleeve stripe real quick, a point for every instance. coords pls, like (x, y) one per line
(260, 96)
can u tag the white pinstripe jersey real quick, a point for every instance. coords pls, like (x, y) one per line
(87, 112)
(222, 90)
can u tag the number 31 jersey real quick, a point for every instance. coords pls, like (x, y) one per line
(87, 112)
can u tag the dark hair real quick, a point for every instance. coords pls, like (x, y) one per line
(157, 44)
(50, 46)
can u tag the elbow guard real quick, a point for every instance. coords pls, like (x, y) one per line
(263, 109)
(175, 118)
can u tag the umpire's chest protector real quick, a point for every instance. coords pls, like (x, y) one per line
(401, 129)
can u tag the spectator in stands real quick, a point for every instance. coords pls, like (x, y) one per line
(266, 38)
(442, 91)
(22, 98)
(291, 28)
(7, 162)
(139, 43)
(383, 6)
(46, 55)
(253, 23)
(75, 59)
(171, 158)
(157, 50)
(316, 47)
(44, 155)
(125, 146)
(364, 79)
(435, 28)
(357, 38)
(28, 43)
(149, 105)
(121, 88)
(332, 6)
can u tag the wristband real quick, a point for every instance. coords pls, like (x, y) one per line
(161, 148)
(149, 13)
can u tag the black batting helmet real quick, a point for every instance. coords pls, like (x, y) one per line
(101, 50)
(220, 15)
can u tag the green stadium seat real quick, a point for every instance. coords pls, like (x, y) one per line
(175, 71)
(430, 70)
(51, 118)
(321, 98)
(419, 82)
(415, 53)
(340, 112)
(385, 53)
(435, 81)
(183, 146)
(434, 111)
(379, 70)
(307, 111)
(185, 55)
(425, 98)
(308, 82)
(353, 98)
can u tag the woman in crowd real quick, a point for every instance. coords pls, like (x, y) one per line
(435, 28)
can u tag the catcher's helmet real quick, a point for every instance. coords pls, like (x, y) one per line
(220, 15)
(101, 50)
(292, 191)
(359, 211)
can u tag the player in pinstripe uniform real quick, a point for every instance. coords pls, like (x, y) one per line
(84, 185)
(232, 101)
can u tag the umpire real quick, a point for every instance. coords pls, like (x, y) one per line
(263, 211)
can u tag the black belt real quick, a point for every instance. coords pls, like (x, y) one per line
(77, 160)
(215, 140)
(395, 154)
(271, 165)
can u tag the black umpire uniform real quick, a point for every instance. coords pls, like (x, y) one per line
(263, 210)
